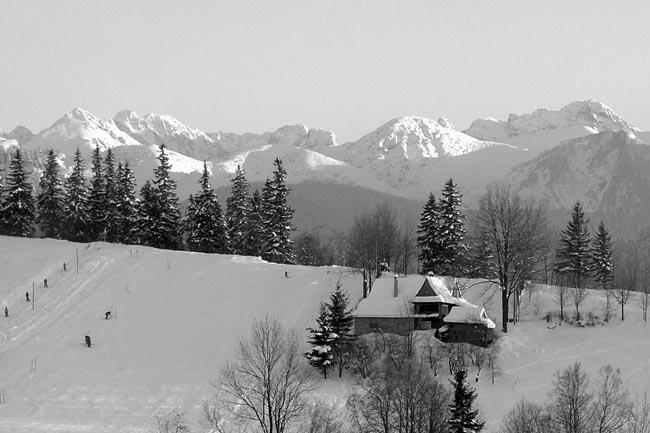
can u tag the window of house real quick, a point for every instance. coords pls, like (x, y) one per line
(444, 310)
(374, 325)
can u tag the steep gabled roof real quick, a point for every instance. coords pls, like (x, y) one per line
(381, 301)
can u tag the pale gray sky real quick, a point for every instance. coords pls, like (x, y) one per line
(347, 66)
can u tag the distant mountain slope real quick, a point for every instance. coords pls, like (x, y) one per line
(608, 172)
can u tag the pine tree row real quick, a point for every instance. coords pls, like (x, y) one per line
(107, 208)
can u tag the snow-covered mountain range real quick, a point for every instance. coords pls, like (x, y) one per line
(407, 156)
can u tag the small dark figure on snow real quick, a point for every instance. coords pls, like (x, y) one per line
(26, 296)
(107, 315)
(63, 266)
(286, 274)
(87, 339)
(548, 317)
(45, 282)
(6, 312)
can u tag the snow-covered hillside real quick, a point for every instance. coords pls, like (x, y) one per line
(177, 317)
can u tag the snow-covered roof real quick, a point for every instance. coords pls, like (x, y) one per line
(381, 301)
(469, 315)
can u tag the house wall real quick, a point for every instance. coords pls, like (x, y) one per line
(468, 333)
(390, 325)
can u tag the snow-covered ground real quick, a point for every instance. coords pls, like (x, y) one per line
(177, 317)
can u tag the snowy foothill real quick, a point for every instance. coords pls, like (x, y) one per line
(176, 317)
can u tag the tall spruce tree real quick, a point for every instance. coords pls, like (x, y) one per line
(253, 228)
(147, 216)
(112, 198)
(601, 256)
(341, 323)
(452, 231)
(97, 198)
(573, 254)
(464, 417)
(429, 235)
(167, 224)
(126, 206)
(76, 217)
(277, 218)
(237, 212)
(18, 202)
(204, 222)
(322, 339)
(49, 202)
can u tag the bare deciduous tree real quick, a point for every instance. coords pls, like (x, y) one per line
(627, 269)
(170, 421)
(527, 417)
(611, 408)
(640, 422)
(570, 401)
(322, 418)
(267, 382)
(515, 232)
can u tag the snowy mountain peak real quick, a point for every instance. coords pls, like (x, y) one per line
(590, 116)
(445, 123)
(417, 137)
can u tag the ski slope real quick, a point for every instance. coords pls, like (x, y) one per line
(176, 317)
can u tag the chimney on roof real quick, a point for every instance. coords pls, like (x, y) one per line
(395, 286)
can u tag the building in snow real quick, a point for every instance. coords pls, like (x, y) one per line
(399, 305)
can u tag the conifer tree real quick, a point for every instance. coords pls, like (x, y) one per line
(573, 254)
(18, 202)
(452, 231)
(111, 190)
(321, 338)
(76, 203)
(97, 198)
(341, 323)
(126, 216)
(601, 256)
(429, 235)
(49, 202)
(204, 220)
(166, 232)
(253, 228)
(147, 216)
(237, 212)
(464, 417)
(277, 216)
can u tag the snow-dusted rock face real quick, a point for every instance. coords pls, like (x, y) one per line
(19, 133)
(608, 172)
(80, 129)
(412, 138)
(156, 129)
(593, 116)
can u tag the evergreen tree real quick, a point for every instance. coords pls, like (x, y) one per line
(464, 418)
(112, 197)
(237, 212)
(76, 215)
(18, 202)
(452, 231)
(573, 254)
(253, 229)
(321, 338)
(277, 218)
(429, 235)
(601, 256)
(308, 250)
(49, 201)
(97, 199)
(204, 221)
(147, 216)
(341, 323)
(126, 215)
(166, 229)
